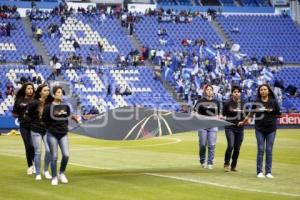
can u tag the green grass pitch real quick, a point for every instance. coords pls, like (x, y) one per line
(158, 168)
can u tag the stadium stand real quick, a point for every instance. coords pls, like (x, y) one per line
(87, 31)
(109, 88)
(199, 28)
(264, 35)
(14, 42)
(11, 78)
(185, 44)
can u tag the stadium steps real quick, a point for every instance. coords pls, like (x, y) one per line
(70, 97)
(172, 92)
(219, 31)
(39, 47)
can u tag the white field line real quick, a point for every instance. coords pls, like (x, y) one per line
(220, 185)
(180, 179)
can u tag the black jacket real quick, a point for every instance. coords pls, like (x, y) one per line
(266, 121)
(207, 107)
(233, 111)
(19, 109)
(56, 118)
(36, 123)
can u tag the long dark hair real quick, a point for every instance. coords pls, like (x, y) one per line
(21, 92)
(271, 93)
(37, 94)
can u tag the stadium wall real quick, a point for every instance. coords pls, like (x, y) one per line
(291, 120)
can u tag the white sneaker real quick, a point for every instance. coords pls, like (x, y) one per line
(269, 175)
(260, 175)
(63, 178)
(38, 177)
(203, 166)
(33, 169)
(210, 166)
(54, 181)
(47, 175)
(30, 170)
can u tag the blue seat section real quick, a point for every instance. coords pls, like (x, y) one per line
(250, 3)
(290, 76)
(90, 85)
(228, 2)
(109, 29)
(13, 73)
(264, 3)
(264, 35)
(146, 32)
(19, 42)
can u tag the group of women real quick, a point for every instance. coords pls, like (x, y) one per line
(43, 117)
(265, 110)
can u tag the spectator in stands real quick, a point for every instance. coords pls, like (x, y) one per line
(145, 52)
(23, 80)
(39, 80)
(57, 68)
(207, 137)
(34, 112)
(266, 111)
(162, 41)
(23, 97)
(55, 117)
(54, 60)
(108, 92)
(131, 27)
(126, 91)
(38, 33)
(8, 29)
(162, 32)
(9, 89)
(212, 12)
(233, 111)
(100, 46)
(31, 66)
(186, 42)
(94, 111)
(76, 45)
(235, 30)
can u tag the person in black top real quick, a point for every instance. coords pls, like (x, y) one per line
(233, 110)
(23, 98)
(38, 130)
(266, 111)
(208, 136)
(55, 117)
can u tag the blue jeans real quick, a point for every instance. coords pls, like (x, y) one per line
(207, 137)
(37, 143)
(234, 141)
(25, 133)
(63, 143)
(265, 142)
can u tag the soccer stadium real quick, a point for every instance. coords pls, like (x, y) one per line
(150, 99)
